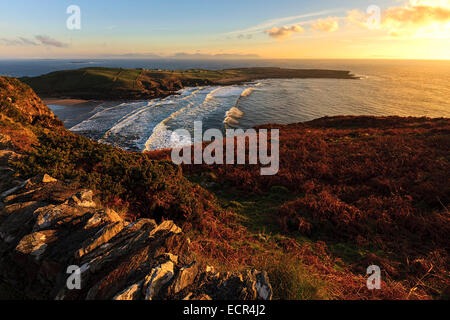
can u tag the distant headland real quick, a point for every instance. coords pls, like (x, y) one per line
(136, 84)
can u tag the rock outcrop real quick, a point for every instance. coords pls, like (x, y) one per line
(57, 240)
(18, 98)
(49, 227)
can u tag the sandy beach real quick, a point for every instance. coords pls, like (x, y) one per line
(69, 102)
(72, 111)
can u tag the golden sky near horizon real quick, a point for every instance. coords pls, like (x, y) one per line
(418, 29)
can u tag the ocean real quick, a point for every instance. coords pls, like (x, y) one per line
(386, 87)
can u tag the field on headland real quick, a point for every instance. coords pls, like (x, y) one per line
(135, 84)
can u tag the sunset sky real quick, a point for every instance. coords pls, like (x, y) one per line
(411, 29)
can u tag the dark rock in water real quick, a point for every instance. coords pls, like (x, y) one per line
(46, 226)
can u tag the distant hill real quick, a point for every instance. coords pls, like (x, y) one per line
(118, 83)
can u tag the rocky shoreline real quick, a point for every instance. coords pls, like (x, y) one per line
(47, 225)
(179, 233)
(50, 226)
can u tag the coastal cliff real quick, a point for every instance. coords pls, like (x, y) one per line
(351, 192)
(48, 225)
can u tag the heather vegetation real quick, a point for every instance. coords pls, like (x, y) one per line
(370, 190)
(144, 187)
(351, 192)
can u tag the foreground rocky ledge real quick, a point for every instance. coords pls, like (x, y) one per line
(48, 225)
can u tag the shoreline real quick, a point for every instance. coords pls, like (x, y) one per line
(68, 102)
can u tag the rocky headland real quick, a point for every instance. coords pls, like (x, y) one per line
(48, 225)
(137, 84)
(351, 192)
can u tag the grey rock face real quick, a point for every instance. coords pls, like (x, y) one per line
(41, 236)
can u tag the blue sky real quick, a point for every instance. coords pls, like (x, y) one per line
(167, 27)
(202, 16)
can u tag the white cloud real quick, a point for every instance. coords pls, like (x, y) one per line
(415, 18)
(47, 41)
(330, 24)
(284, 32)
(276, 22)
(40, 41)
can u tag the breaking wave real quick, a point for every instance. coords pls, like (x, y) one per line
(247, 92)
(233, 115)
(215, 100)
(149, 125)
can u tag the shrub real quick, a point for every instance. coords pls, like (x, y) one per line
(149, 188)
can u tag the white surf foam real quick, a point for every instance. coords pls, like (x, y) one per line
(230, 121)
(164, 138)
(149, 125)
(215, 99)
(105, 118)
(234, 113)
(247, 92)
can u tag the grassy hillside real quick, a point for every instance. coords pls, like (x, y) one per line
(114, 83)
(351, 192)
(355, 191)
